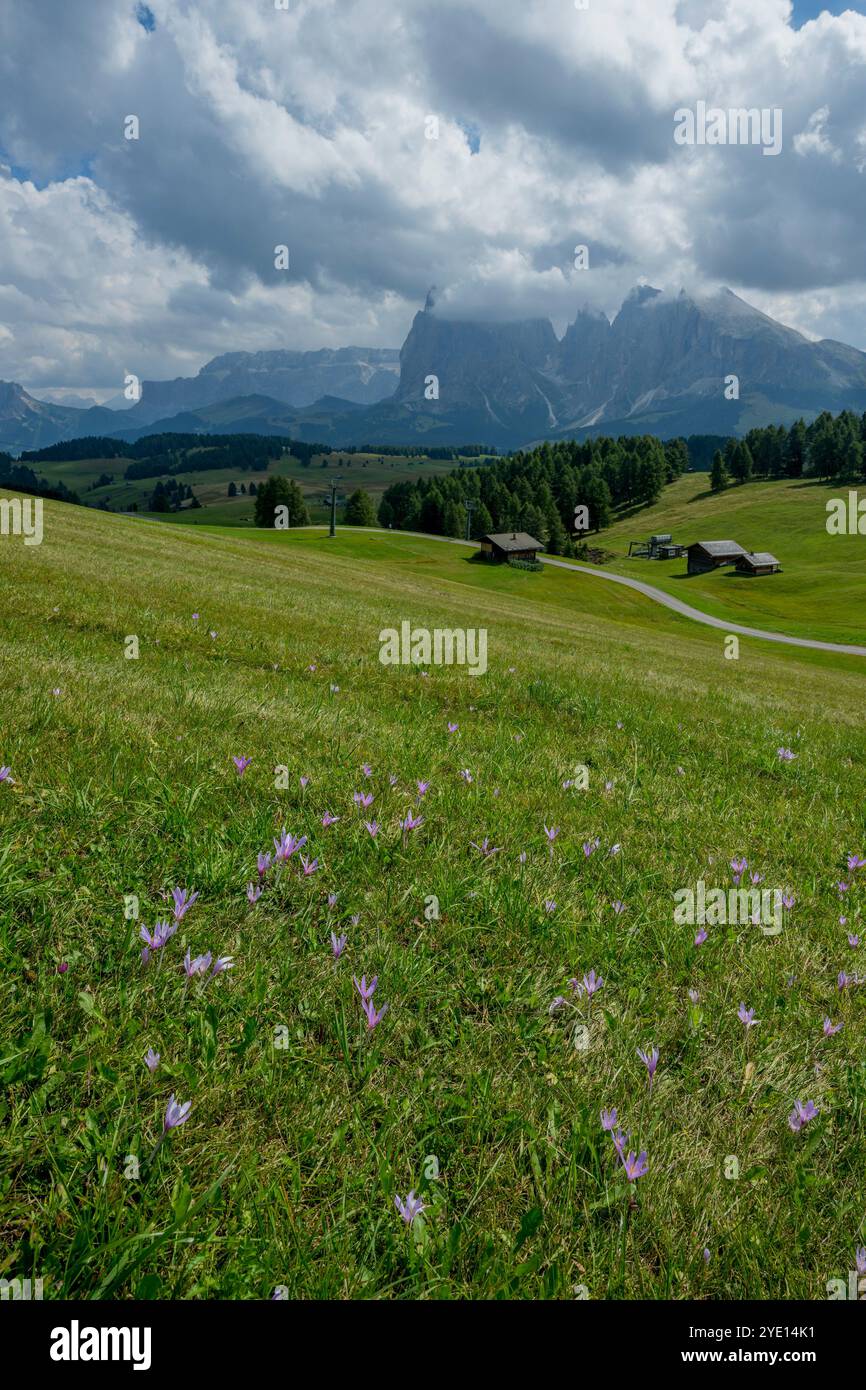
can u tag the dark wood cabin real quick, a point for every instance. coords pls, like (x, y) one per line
(758, 562)
(709, 555)
(510, 545)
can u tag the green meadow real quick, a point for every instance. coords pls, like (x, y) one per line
(480, 1088)
(820, 590)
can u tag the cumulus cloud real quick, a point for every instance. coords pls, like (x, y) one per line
(310, 127)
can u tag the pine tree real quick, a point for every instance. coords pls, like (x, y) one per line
(360, 510)
(719, 474)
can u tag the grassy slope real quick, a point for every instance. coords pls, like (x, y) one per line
(286, 1170)
(823, 581)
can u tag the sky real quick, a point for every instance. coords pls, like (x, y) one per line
(466, 144)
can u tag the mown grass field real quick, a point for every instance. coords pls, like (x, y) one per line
(820, 589)
(305, 1123)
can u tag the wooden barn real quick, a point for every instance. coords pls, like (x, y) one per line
(514, 545)
(709, 555)
(758, 562)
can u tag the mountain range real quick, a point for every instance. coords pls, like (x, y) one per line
(661, 366)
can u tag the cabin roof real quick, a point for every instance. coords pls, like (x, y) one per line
(514, 540)
(720, 547)
(759, 557)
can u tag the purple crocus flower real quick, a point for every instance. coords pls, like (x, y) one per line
(452, 728)
(328, 819)
(556, 1004)
(485, 848)
(364, 799)
(222, 963)
(860, 1259)
(338, 944)
(787, 900)
(550, 905)
(309, 866)
(63, 967)
(199, 966)
(304, 781)
(590, 846)
(372, 827)
(151, 1059)
(422, 788)
(635, 1165)
(694, 996)
(802, 1114)
(618, 906)
(287, 845)
(366, 769)
(855, 861)
(5, 775)
(738, 868)
(332, 900)
(843, 980)
(176, 1114)
(183, 901)
(410, 1207)
(756, 878)
(785, 755)
(747, 1017)
(372, 1017)
(466, 774)
(608, 1119)
(830, 1028)
(263, 863)
(365, 990)
(254, 892)
(700, 937)
(411, 822)
(853, 941)
(591, 985)
(551, 832)
(650, 1059)
(620, 1139)
(241, 764)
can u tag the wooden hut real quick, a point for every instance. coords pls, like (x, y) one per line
(709, 555)
(510, 545)
(758, 562)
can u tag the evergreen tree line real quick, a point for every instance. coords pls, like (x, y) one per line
(539, 490)
(22, 479)
(830, 449)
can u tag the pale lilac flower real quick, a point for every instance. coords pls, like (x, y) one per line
(550, 905)
(392, 779)
(787, 901)
(355, 919)
(195, 617)
(694, 996)
(364, 799)
(466, 774)
(706, 1255)
(618, 906)
(332, 900)
(151, 1059)
(411, 822)
(615, 849)
(551, 832)
(756, 878)
(372, 827)
(650, 1059)
(830, 1028)
(521, 858)
(338, 944)
(860, 1259)
(620, 1139)
(6, 777)
(747, 1017)
(309, 866)
(422, 788)
(802, 1114)
(608, 1119)
(335, 690)
(183, 901)
(372, 1017)
(843, 980)
(785, 755)
(410, 1207)
(222, 963)
(700, 937)
(853, 941)
(254, 892)
(608, 787)
(452, 728)
(287, 845)
(635, 1165)
(485, 848)
(843, 921)
(199, 966)
(365, 990)
(590, 846)
(592, 985)
(556, 1003)
(241, 764)
(304, 781)
(176, 1114)
(855, 861)
(738, 868)
(263, 863)
(328, 819)
(366, 769)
